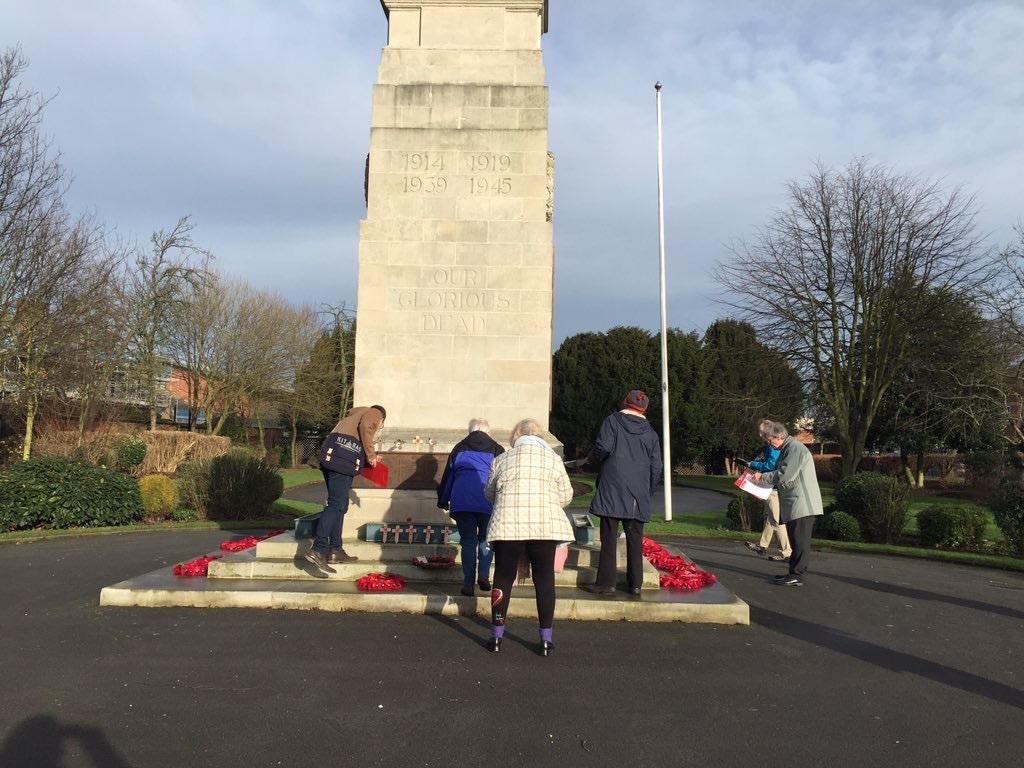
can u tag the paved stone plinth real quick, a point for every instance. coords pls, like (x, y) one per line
(250, 580)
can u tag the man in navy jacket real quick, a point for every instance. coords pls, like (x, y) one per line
(628, 453)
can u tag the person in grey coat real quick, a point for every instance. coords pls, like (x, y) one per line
(799, 497)
(628, 453)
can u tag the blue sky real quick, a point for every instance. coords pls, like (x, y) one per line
(252, 116)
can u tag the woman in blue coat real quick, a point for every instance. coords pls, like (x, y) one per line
(628, 453)
(461, 492)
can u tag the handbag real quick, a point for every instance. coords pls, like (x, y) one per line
(343, 454)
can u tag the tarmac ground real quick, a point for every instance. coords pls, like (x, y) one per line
(875, 661)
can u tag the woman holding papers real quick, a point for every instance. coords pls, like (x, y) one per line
(772, 523)
(799, 497)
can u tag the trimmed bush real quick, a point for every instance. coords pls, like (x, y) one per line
(745, 511)
(236, 486)
(159, 496)
(1008, 509)
(194, 486)
(879, 504)
(953, 527)
(59, 492)
(130, 453)
(839, 526)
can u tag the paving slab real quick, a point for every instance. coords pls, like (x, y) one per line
(876, 661)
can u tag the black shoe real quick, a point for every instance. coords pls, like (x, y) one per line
(597, 589)
(634, 591)
(545, 648)
(317, 558)
(468, 591)
(790, 581)
(484, 584)
(493, 645)
(781, 577)
(339, 556)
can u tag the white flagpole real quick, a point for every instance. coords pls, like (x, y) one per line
(666, 453)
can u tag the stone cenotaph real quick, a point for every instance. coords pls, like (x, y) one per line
(456, 261)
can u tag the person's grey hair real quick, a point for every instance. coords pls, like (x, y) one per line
(479, 425)
(776, 430)
(762, 425)
(525, 427)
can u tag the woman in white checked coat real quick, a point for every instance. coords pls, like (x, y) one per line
(530, 490)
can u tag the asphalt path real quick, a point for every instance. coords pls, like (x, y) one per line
(876, 661)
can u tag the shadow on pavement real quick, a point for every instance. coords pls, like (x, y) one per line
(887, 658)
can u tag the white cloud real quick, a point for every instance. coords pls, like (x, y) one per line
(254, 118)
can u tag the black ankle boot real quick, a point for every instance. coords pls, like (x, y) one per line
(493, 645)
(545, 648)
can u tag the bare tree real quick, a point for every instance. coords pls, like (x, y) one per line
(157, 284)
(841, 277)
(51, 321)
(32, 186)
(1006, 304)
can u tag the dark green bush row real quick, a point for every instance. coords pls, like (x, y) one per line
(61, 492)
(236, 486)
(1008, 509)
(879, 504)
(953, 527)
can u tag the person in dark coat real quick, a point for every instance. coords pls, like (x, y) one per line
(461, 492)
(628, 454)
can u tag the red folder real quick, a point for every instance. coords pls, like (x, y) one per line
(378, 475)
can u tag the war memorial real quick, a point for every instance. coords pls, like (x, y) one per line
(455, 302)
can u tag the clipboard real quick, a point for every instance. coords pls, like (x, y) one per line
(745, 482)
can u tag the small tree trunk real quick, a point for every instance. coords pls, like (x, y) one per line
(261, 449)
(30, 423)
(295, 441)
(908, 473)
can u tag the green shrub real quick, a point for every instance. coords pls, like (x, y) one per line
(745, 512)
(159, 496)
(236, 486)
(953, 527)
(62, 492)
(984, 468)
(879, 503)
(194, 486)
(129, 453)
(1008, 509)
(839, 526)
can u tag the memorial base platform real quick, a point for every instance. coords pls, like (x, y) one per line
(273, 574)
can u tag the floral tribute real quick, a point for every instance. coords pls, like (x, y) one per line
(248, 542)
(678, 572)
(197, 567)
(436, 561)
(380, 582)
(200, 566)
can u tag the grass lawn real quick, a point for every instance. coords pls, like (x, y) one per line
(715, 523)
(702, 523)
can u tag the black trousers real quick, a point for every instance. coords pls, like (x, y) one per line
(541, 554)
(799, 531)
(607, 565)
